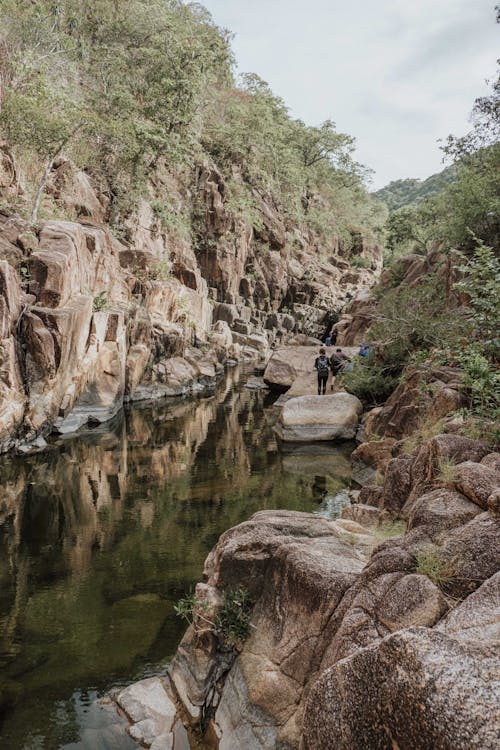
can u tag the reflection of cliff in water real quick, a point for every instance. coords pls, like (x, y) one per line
(102, 534)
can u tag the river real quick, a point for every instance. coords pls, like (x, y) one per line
(103, 533)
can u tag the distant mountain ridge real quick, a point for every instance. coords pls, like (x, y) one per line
(400, 193)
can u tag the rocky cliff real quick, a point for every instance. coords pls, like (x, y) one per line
(89, 318)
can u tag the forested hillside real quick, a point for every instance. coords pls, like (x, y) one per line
(400, 193)
(124, 89)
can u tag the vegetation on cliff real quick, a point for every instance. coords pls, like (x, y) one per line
(126, 88)
(440, 304)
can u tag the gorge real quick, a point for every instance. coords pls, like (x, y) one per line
(196, 549)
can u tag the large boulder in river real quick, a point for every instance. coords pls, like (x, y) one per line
(306, 418)
(287, 364)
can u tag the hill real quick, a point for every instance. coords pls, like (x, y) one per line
(400, 193)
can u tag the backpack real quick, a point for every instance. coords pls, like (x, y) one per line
(323, 365)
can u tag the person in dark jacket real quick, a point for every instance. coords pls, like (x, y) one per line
(338, 362)
(322, 365)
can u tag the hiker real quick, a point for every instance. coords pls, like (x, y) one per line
(338, 363)
(364, 350)
(328, 340)
(322, 365)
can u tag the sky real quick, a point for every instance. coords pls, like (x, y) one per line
(396, 74)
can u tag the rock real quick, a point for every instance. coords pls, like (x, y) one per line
(494, 502)
(432, 692)
(473, 551)
(366, 515)
(439, 510)
(370, 457)
(452, 448)
(152, 712)
(296, 568)
(330, 417)
(492, 461)
(385, 598)
(427, 393)
(477, 619)
(397, 483)
(476, 481)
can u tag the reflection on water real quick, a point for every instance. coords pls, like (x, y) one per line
(102, 534)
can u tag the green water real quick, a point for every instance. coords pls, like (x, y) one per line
(102, 534)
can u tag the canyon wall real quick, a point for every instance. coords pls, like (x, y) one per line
(89, 318)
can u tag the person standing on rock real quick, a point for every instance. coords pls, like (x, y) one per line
(338, 362)
(322, 365)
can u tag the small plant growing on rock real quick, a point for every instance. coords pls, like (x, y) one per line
(233, 621)
(231, 624)
(101, 302)
(431, 563)
(446, 473)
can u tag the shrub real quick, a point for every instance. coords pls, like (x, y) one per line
(369, 381)
(233, 621)
(101, 302)
(231, 624)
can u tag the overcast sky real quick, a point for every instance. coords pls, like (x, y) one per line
(396, 74)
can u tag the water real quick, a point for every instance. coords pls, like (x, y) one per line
(100, 536)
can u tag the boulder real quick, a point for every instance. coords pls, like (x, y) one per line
(288, 363)
(316, 418)
(492, 460)
(439, 510)
(397, 483)
(366, 515)
(296, 568)
(477, 619)
(456, 449)
(370, 457)
(476, 481)
(418, 688)
(150, 710)
(473, 552)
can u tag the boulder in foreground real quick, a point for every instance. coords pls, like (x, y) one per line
(312, 418)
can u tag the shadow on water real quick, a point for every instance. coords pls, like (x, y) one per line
(103, 533)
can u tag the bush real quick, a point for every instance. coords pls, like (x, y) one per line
(231, 624)
(370, 381)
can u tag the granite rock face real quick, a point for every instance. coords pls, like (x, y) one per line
(296, 568)
(88, 320)
(360, 637)
(416, 689)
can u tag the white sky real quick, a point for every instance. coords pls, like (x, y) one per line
(396, 74)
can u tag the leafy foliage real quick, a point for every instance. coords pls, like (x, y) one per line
(400, 193)
(231, 623)
(126, 87)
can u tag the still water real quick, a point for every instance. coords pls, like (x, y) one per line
(102, 534)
